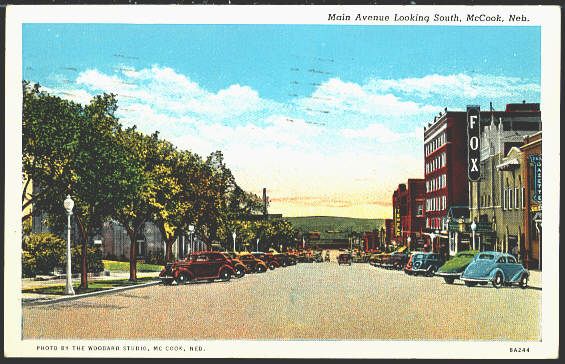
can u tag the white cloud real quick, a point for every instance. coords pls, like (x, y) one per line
(164, 89)
(456, 85)
(377, 132)
(337, 95)
(77, 95)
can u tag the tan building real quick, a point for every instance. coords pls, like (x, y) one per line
(498, 200)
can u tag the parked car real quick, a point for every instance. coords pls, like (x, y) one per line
(396, 259)
(239, 268)
(452, 269)
(408, 266)
(268, 259)
(206, 265)
(292, 258)
(305, 257)
(318, 257)
(375, 258)
(495, 267)
(255, 265)
(327, 256)
(423, 263)
(344, 258)
(359, 257)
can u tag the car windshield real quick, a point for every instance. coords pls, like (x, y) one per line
(486, 257)
(418, 256)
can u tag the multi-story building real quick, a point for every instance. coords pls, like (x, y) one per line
(497, 199)
(408, 210)
(445, 173)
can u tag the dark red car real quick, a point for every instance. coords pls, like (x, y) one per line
(344, 258)
(198, 266)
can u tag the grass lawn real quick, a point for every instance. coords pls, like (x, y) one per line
(93, 286)
(115, 266)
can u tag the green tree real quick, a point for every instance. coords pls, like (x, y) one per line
(72, 149)
(141, 203)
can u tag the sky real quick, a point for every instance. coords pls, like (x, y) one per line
(328, 118)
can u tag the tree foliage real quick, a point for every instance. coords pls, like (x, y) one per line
(120, 173)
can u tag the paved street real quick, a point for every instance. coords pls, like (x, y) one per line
(307, 301)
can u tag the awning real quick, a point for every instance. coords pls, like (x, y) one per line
(508, 165)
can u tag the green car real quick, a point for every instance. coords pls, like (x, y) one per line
(454, 267)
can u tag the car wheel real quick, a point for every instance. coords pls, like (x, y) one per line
(524, 281)
(239, 272)
(167, 282)
(470, 284)
(260, 269)
(271, 266)
(183, 278)
(431, 271)
(498, 281)
(449, 280)
(225, 275)
(283, 264)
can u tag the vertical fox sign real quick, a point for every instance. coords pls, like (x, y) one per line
(473, 142)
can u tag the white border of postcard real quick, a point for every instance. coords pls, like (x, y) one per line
(548, 17)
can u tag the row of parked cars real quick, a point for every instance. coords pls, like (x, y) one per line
(472, 267)
(215, 265)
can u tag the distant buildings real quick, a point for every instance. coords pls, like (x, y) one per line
(408, 206)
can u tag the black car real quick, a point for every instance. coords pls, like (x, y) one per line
(424, 263)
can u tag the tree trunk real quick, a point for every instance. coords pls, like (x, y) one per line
(83, 265)
(169, 248)
(132, 256)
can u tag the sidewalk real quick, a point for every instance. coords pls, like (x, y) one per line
(535, 279)
(30, 283)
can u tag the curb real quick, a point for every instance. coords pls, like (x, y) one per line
(38, 302)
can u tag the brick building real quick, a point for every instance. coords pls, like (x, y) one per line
(532, 218)
(408, 211)
(445, 173)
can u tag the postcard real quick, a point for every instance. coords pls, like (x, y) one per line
(282, 181)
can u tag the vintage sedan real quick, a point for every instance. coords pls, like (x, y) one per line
(205, 265)
(498, 268)
(344, 258)
(423, 263)
(305, 256)
(268, 258)
(453, 268)
(395, 260)
(239, 268)
(255, 265)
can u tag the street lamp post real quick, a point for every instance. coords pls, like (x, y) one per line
(432, 238)
(69, 204)
(257, 245)
(191, 241)
(233, 236)
(473, 228)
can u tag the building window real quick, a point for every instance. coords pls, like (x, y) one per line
(516, 204)
(522, 198)
(420, 210)
(504, 199)
(510, 198)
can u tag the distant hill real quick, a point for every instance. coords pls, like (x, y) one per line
(327, 225)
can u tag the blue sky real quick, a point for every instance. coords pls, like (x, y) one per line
(328, 118)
